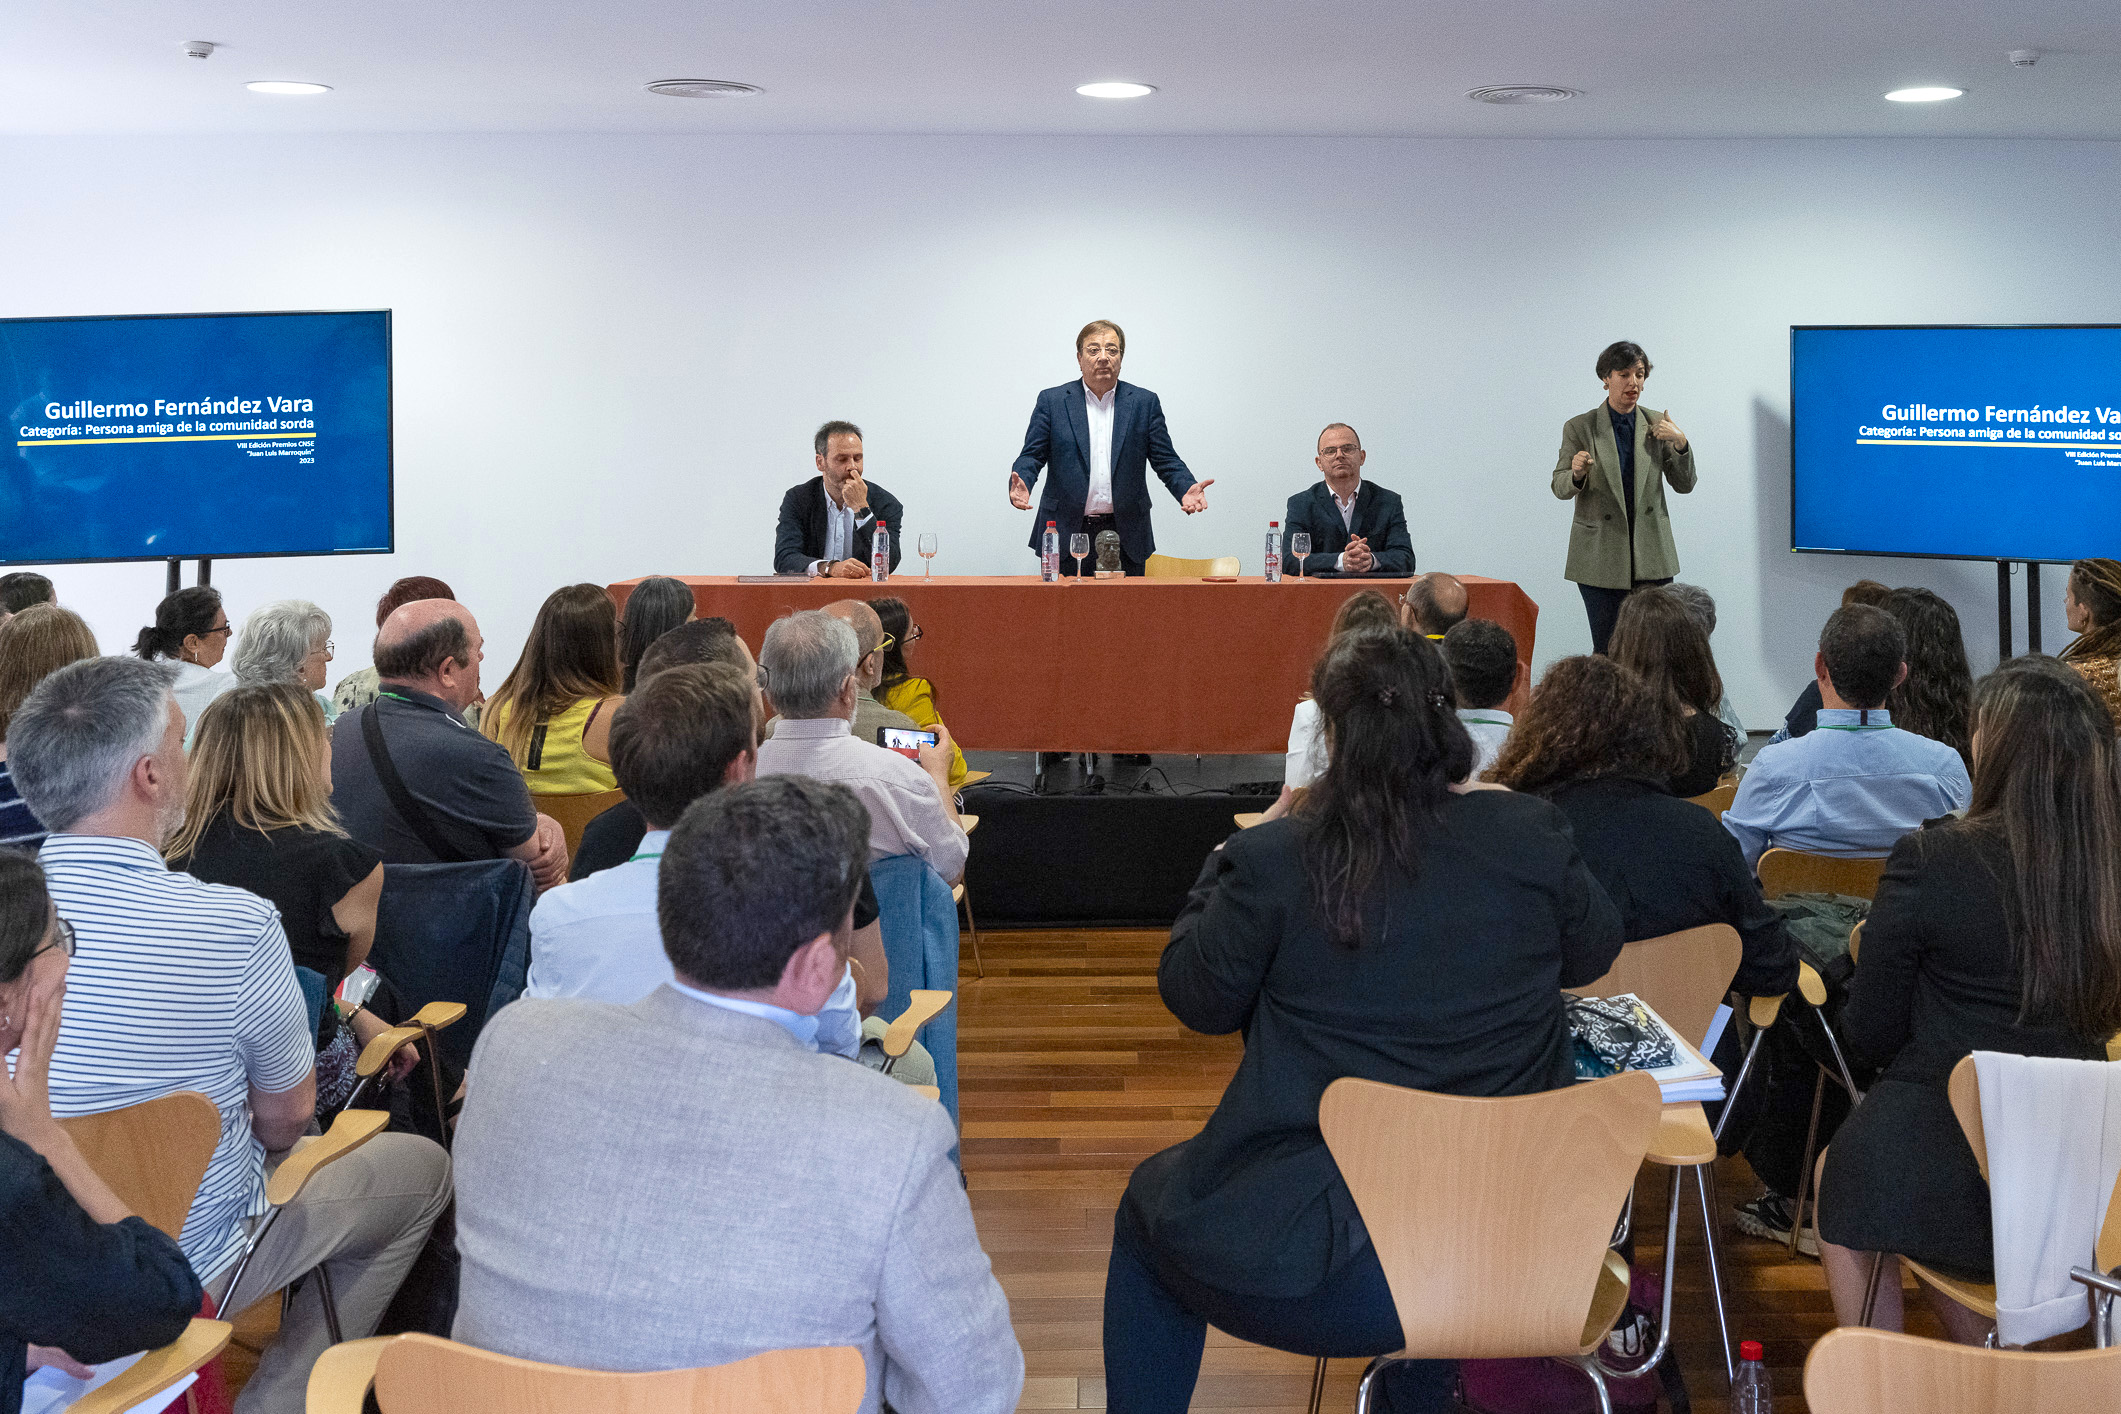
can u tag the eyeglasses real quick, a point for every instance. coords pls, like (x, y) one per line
(225, 628)
(327, 650)
(1345, 449)
(886, 645)
(66, 943)
(913, 633)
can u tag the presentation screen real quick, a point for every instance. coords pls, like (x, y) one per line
(195, 435)
(1950, 442)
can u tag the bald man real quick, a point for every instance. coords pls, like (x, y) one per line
(411, 780)
(1433, 605)
(869, 714)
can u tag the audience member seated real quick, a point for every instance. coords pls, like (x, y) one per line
(289, 641)
(1936, 698)
(358, 688)
(1659, 641)
(1336, 941)
(1702, 605)
(19, 589)
(2091, 602)
(553, 710)
(1855, 789)
(870, 715)
(182, 985)
(258, 816)
(1433, 605)
(1482, 657)
(900, 690)
(613, 837)
(1998, 932)
(86, 1279)
(190, 631)
(466, 798)
(1804, 713)
(657, 605)
(1598, 743)
(777, 1198)
(810, 662)
(34, 644)
(1306, 759)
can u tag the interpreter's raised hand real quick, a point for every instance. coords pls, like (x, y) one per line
(1580, 466)
(1196, 498)
(854, 493)
(25, 1100)
(1667, 431)
(1357, 558)
(1019, 494)
(848, 569)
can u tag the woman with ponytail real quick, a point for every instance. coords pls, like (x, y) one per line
(2091, 601)
(190, 631)
(1395, 926)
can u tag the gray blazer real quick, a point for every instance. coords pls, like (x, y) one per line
(1598, 539)
(669, 1184)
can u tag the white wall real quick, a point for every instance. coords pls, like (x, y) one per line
(611, 351)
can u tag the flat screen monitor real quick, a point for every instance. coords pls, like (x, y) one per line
(181, 436)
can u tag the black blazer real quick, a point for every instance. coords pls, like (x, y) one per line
(1059, 439)
(1380, 518)
(1461, 994)
(1668, 865)
(799, 540)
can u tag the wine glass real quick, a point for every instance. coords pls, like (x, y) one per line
(1300, 547)
(1079, 546)
(926, 545)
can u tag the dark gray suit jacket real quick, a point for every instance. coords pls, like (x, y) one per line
(1380, 519)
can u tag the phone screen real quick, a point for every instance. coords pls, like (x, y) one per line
(904, 740)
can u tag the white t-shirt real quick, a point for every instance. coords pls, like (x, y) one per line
(1306, 760)
(1490, 728)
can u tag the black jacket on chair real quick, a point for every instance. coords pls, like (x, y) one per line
(799, 540)
(1380, 519)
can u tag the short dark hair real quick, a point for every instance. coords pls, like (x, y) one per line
(1621, 356)
(825, 434)
(1096, 324)
(675, 735)
(710, 640)
(1330, 426)
(1482, 657)
(410, 590)
(754, 872)
(1864, 648)
(22, 588)
(422, 654)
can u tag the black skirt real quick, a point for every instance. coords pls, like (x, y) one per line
(1901, 1178)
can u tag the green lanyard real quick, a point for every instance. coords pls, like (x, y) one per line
(657, 855)
(1483, 722)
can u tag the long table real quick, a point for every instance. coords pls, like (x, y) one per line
(1115, 665)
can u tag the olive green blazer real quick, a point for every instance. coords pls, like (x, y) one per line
(1598, 540)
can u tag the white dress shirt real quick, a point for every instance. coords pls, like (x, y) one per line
(906, 813)
(1490, 728)
(839, 536)
(1347, 519)
(1099, 411)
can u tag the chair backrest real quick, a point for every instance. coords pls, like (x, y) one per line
(456, 933)
(153, 1154)
(1792, 871)
(1172, 567)
(1716, 801)
(1491, 1217)
(1683, 976)
(918, 920)
(1964, 1088)
(574, 812)
(421, 1374)
(1854, 1370)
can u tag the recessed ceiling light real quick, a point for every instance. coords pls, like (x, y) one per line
(1923, 95)
(1116, 90)
(1516, 93)
(286, 86)
(704, 88)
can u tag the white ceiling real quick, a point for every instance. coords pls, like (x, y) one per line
(1655, 68)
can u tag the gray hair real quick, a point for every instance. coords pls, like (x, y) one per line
(275, 640)
(1699, 604)
(80, 732)
(808, 657)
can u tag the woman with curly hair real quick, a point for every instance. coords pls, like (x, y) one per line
(2091, 600)
(1936, 698)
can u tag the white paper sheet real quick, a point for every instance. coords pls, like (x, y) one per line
(47, 1391)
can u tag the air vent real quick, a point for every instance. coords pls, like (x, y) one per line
(703, 88)
(1523, 93)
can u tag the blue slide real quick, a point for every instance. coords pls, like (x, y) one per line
(180, 436)
(1983, 443)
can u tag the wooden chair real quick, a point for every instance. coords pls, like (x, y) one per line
(1684, 977)
(1716, 801)
(898, 1037)
(1247, 820)
(574, 812)
(973, 778)
(1856, 1371)
(1171, 567)
(1486, 1270)
(969, 823)
(425, 1022)
(422, 1374)
(1792, 871)
(157, 1370)
(350, 1129)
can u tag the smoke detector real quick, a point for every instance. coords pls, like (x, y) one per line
(704, 88)
(2024, 58)
(1522, 93)
(199, 48)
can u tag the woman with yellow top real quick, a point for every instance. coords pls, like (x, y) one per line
(900, 690)
(2092, 602)
(553, 711)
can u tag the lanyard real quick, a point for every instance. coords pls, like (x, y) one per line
(657, 854)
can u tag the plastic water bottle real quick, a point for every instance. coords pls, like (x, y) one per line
(1049, 554)
(1273, 560)
(1751, 1392)
(880, 554)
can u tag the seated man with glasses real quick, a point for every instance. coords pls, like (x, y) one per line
(900, 690)
(1356, 526)
(872, 643)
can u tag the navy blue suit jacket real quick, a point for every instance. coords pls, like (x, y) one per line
(1059, 439)
(1380, 518)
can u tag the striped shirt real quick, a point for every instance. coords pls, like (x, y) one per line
(176, 985)
(19, 829)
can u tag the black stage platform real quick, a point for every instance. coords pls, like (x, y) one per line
(1102, 840)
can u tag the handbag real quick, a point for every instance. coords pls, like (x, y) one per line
(1612, 1034)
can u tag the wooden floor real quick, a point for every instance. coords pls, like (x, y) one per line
(1072, 1072)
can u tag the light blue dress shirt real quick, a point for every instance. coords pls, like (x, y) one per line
(1852, 787)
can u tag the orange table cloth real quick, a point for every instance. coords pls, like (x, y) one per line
(1113, 665)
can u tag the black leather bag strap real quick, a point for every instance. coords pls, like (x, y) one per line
(409, 810)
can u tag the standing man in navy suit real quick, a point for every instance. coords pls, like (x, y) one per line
(1098, 435)
(1356, 526)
